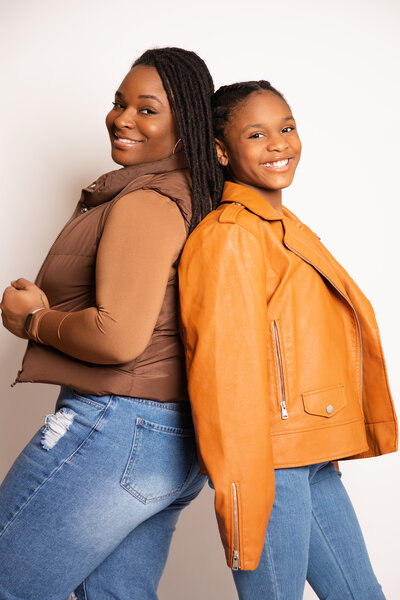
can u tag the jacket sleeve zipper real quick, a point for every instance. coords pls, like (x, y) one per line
(284, 412)
(348, 303)
(235, 557)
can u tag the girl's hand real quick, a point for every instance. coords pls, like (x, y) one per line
(20, 299)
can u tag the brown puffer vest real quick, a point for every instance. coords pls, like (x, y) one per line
(67, 276)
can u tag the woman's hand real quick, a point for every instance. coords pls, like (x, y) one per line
(19, 299)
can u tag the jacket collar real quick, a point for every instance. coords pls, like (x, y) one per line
(252, 200)
(296, 236)
(111, 184)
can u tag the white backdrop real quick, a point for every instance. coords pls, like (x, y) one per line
(337, 64)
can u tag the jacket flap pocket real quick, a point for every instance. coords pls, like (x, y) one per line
(326, 402)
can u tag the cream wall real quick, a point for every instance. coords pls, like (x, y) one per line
(336, 62)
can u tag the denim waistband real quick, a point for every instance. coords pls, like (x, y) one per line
(183, 407)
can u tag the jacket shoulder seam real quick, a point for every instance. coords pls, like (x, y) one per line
(230, 212)
(231, 215)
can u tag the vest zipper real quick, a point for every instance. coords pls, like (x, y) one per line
(278, 353)
(235, 557)
(16, 379)
(349, 304)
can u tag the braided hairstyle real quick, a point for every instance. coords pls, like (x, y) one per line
(227, 98)
(189, 86)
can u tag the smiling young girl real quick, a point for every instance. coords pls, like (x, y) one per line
(91, 503)
(285, 368)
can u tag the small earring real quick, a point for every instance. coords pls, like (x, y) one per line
(173, 151)
(224, 162)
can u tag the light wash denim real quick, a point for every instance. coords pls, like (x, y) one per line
(92, 501)
(313, 534)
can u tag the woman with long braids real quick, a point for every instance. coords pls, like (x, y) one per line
(285, 368)
(91, 503)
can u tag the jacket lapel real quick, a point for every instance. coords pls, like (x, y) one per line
(297, 237)
(302, 242)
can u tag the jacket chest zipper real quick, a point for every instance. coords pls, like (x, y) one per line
(278, 354)
(348, 303)
(235, 557)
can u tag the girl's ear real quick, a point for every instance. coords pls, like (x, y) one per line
(222, 153)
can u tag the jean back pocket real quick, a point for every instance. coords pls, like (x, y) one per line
(160, 461)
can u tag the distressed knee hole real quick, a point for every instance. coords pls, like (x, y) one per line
(56, 426)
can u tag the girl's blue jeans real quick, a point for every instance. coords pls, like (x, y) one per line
(92, 501)
(313, 534)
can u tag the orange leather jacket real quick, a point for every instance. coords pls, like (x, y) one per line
(284, 361)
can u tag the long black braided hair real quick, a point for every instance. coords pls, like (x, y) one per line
(227, 98)
(189, 87)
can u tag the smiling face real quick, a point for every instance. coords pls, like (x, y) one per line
(261, 146)
(141, 124)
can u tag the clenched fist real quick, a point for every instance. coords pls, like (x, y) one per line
(19, 299)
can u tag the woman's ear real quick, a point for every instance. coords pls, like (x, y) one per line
(222, 153)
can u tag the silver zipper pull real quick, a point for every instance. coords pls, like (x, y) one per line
(284, 412)
(235, 561)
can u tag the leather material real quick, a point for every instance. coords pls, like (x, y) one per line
(284, 360)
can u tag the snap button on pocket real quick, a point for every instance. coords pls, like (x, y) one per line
(325, 402)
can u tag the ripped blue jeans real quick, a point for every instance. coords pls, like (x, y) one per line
(91, 503)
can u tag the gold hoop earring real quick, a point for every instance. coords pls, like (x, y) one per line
(173, 151)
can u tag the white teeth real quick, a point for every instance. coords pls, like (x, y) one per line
(277, 163)
(125, 141)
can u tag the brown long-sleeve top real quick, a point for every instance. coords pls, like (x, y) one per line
(142, 238)
(112, 284)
